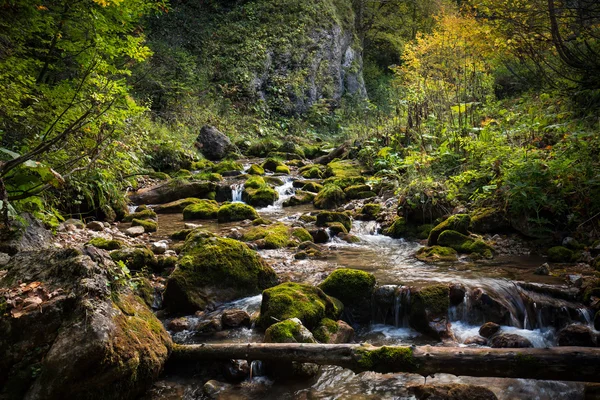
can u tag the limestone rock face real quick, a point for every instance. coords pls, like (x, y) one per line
(72, 333)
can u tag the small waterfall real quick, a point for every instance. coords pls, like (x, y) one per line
(285, 191)
(236, 192)
(365, 228)
(401, 307)
(256, 369)
(131, 208)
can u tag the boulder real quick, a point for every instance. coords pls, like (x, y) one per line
(175, 207)
(235, 318)
(436, 253)
(27, 234)
(202, 209)
(354, 288)
(135, 258)
(543, 269)
(319, 235)
(332, 332)
(95, 226)
(325, 218)
(214, 269)
(236, 212)
(464, 244)
(289, 331)
(294, 300)
(560, 254)
(509, 341)
(397, 229)
(576, 335)
(87, 335)
(489, 329)
(489, 220)
(330, 197)
(174, 190)
(135, 231)
(261, 197)
(429, 311)
(213, 144)
(458, 222)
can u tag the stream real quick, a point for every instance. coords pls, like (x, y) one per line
(532, 313)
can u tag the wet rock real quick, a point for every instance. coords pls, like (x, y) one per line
(236, 370)
(489, 220)
(509, 341)
(289, 331)
(95, 226)
(453, 391)
(331, 196)
(490, 308)
(476, 340)
(571, 243)
(348, 238)
(489, 329)
(576, 335)
(436, 253)
(236, 212)
(85, 340)
(429, 311)
(543, 269)
(333, 332)
(212, 388)
(574, 280)
(179, 324)
(212, 269)
(209, 326)
(159, 247)
(75, 222)
(560, 254)
(459, 223)
(354, 288)
(235, 318)
(135, 231)
(135, 258)
(319, 235)
(325, 218)
(201, 209)
(397, 229)
(457, 294)
(29, 234)
(174, 190)
(213, 144)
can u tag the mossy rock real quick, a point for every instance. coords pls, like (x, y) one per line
(424, 230)
(175, 207)
(343, 168)
(288, 331)
(181, 234)
(357, 191)
(350, 286)
(105, 244)
(142, 214)
(204, 209)
(397, 229)
(458, 222)
(330, 197)
(428, 306)
(284, 156)
(276, 236)
(302, 235)
(560, 254)
(348, 238)
(262, 148)
(227, 166)
(255, 182)
(313, 187)
(135, 258)
(261, 221)
(182, 173)
(313, 151)
(211, 269)
(336, 228)
(291, 147)
(159, 175)
(301, 197)
(236, 212)
(307, 218)
(464, 244)
(202, 165)
(489, 220)
(370, 211)
(437, 253)
(255, 170)
(325, 330)
(282, 169)
(262, 197)
(148, 224)
(271, 164)
(326, 217)
(273, 180)
(295, 300)
(346, 181)
(209, 176)
(313, 172)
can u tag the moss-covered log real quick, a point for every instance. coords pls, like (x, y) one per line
(558, 363)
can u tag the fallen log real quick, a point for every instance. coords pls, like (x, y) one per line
(558, 363)
(333, 154)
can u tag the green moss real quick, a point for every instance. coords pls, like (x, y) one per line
(458, 222)
(336, 227)
(213, 266)
(307, 218)
(560, 254)
(236, 212)
(148, 224)
(313, 172)
(294, 300)
(181, 235)
(261, 221)
(301, 197)
(227, 166)
(370, 210)
(302, 235)
(209, 176)
(313, 187)
(176, 207)
(262, 197)
(273, 180)
(356, 191)
(276, 236)
(428, 303)
(182, 173)
(202, 164)
(350, 286)
(106, 244)
(144, 214)
(344, 169)
(204, 209)
(312, 151)
(424, 230)
(488, 220)
(464, 244)
(287, 331)
(135, 258)
(385, 359)
(326, 217)
(348, 238)
(397, 229)
(327, 328)
(255, 182)
(436, 253)
(255, 170)
(330, 197)
(262, 148)
(283, 169)
(159, 175)
(346, 181)
(271, 164)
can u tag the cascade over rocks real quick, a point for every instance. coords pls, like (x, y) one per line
(71, 322)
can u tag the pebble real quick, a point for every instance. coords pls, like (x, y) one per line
(135, 231)
(95, 226)
(159, 247)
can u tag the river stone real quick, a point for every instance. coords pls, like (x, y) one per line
(509, 341)
(179, 324)
(86, 338)
(576, 335)
(457, 294)
(452, 391)
(159, 247)
(235, 318)
(212, 388)
(478, 340)
(95, 226)
(135, 231)
(319, 235)
(213, 144)
(489, 329)
(543, 269)
(29, 235)
(429, 311)
(236, 370)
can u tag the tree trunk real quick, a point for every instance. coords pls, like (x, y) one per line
(335, 153)
(558, 363)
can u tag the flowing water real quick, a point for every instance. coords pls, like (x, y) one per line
(528, 310)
